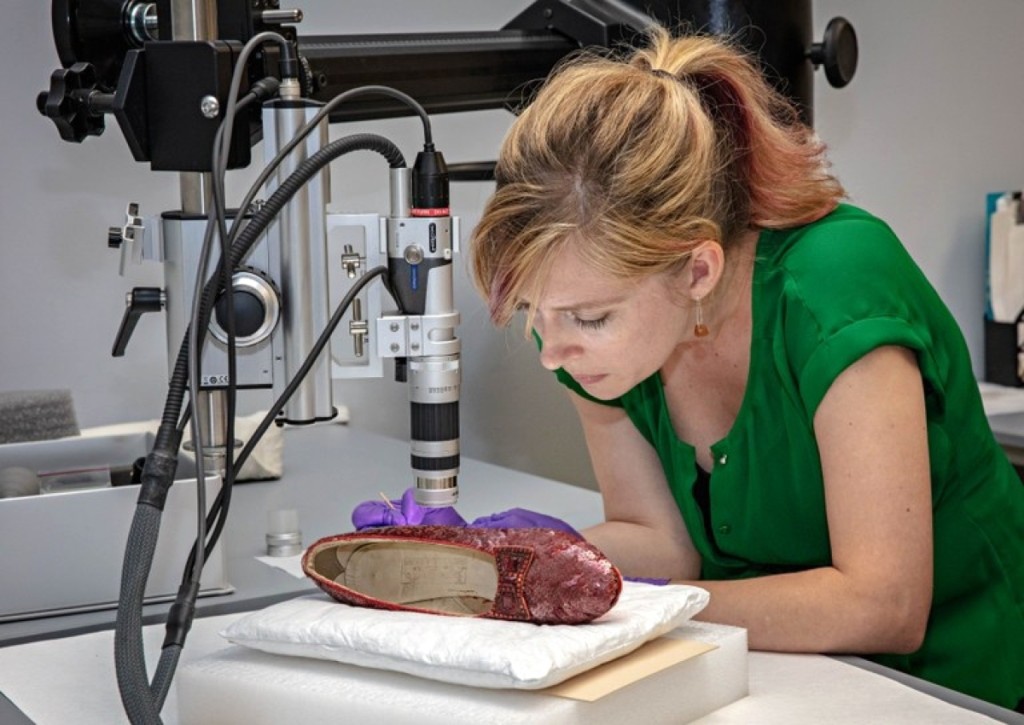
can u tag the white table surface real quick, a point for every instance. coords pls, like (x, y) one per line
(58, 670)
(72, 681)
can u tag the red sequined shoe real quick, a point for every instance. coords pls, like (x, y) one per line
(530, 575)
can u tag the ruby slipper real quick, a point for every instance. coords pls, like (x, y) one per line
(530, 575)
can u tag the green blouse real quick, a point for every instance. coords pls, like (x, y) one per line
(824, 295)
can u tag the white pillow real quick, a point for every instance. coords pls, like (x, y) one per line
(466, 650)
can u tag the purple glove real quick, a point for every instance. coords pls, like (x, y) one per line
(525, 519)
(370, 514)
(647, 580)
(522, 519)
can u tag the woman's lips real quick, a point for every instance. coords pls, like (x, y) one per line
(589, 379)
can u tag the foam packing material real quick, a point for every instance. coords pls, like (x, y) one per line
(36, 415)
(466, 650)
(238, 684)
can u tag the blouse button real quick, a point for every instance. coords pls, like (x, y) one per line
(723, 459)
(724, 529)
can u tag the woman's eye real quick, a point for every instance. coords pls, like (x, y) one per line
(595, 324)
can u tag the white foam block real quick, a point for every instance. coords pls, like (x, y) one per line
(237, 684)
(469, 651)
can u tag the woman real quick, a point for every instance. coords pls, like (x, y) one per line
(776, 402)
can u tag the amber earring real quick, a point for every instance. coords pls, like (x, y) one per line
(700, 329)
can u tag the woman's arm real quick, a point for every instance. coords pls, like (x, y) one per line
(644, 532)
(872, 437)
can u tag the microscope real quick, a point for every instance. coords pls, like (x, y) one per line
(162, 70)
(194, 86)
(169, 99)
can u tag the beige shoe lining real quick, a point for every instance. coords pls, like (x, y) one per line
(438, 577)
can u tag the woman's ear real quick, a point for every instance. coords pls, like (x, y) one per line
(707, 262)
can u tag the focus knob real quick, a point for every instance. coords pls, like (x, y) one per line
(257, 309)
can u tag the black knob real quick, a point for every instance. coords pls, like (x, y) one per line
(837, 52)
(257, 304)
(250, 313)
(115, 237)
(74, 103)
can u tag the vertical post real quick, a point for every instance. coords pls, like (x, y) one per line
(194, 20)
(197, 20)
(300, 235)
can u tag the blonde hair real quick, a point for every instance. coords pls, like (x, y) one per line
(637, 160)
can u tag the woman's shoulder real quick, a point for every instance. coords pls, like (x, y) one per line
(846, 241)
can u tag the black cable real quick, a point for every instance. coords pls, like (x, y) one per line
(302, 133)
(184, 418)
(260, 91)
(218, 517)
(218, 514)
(182, 610)
(308, 363)
(157, 478)
(143, 700)
(252, 232)
(132, 679)
(216, 227)
(249, 235)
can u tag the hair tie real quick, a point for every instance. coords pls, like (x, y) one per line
(662, 73)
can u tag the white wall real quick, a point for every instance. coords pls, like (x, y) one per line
(930, 124)
(933, 120)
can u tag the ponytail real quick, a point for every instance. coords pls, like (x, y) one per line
(638, 160)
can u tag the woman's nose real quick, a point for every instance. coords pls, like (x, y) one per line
(555, 353)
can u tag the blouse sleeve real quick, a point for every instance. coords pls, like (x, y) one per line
(851, 288)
